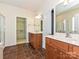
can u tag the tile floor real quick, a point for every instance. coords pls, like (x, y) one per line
(23, 51)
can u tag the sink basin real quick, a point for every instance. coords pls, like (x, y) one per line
(62, 37)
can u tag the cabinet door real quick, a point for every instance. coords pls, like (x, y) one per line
(55, 53)
(35, 40)
(48, 52)
(62, 45)
(31, 39)
(61, 54)
(76, 49)
(38, 41)
(66, 56)
(51, 53)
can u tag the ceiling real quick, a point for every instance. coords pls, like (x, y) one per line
(32, 5)
(60, 8)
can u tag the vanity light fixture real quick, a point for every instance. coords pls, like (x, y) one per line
(66, 2)
(38, 17)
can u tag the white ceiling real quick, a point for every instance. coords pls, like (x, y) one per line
(60, 8)
(32, 5)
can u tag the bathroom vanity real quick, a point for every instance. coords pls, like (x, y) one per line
(64, 45)
(35, 39)
(61, 48)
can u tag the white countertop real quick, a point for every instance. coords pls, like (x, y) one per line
(36, 32)
(62, 37)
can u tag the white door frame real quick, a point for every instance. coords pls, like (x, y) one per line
(25, 29)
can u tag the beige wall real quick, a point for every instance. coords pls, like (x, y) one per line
(46, 12)
(37, 26)
(67, 15)
(10, 13)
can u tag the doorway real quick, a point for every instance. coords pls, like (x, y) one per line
(52, 22)
(21, 30)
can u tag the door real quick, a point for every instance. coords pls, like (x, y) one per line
(21, 30)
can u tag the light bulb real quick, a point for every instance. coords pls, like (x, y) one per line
(66, 2)
(38, 17)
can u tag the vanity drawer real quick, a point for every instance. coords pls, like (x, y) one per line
(51, 42)
(70, 48)
(61, 45)
(76, 49)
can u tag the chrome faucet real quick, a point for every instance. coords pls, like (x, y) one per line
(67, 34)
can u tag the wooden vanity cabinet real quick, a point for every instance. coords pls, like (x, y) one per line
(35, 40)
(58, 44)
(76, 49)
(54, 50)
(59, 50)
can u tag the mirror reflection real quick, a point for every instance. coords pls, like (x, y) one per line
(67, 18)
